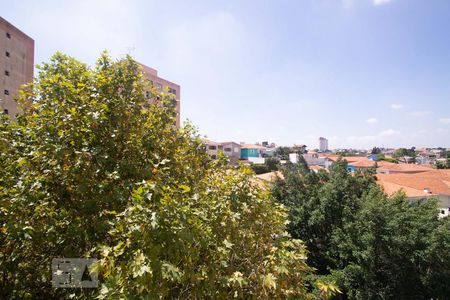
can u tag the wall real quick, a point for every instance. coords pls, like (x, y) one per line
(152, 75)
(19, 64)
(249, 152)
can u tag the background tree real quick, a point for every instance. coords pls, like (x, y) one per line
(375, 247)
(442, 164)
(319, 205)
(260, 168)
(270, 164)
(91, 170)
(376, 150)
(400, 153)
(282, 152)
(382, 157)
(395, 250)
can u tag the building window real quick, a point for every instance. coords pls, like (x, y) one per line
(6, 111)
(172, 91)
(6, 92)
(8, 35)
(7, 54)
(159, 85)
(7, 73)
(227, 149)
(212, 147)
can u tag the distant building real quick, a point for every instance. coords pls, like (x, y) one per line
(314, 159)
(230, 149)
(420, 186)
(212, 148)
(323, 144)
(293, 157)
(373, 157)
(301, 148)
(163, 84)
(16, 65)
(382, 167)
(253, 153)
(252, 150)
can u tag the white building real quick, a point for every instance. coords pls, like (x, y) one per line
(313, 159)
(293, 158)
(212, 148)
(323, 144)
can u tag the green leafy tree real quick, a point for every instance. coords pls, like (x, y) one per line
(402, 152)
(282, 152)
(320, 204)
(395, 250)
(272, 163)
(373, 246)
(260, 168)
(442, 164)
(376, 150)
(91, 170)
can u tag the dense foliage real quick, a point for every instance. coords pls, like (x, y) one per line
(375, 247)
(282, 152)
(442, 164)
(270, 164)
(382, 157)
(91, 170)
(401, 153)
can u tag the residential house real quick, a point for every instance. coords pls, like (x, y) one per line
(253, 153)
(232, 150)
(212, 148)
(420, 186)
(229, 149)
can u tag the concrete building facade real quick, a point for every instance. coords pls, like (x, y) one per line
(163, 85)
(230, 149)
(16, 65)
(323, 144)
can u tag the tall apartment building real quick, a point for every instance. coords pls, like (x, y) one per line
(323, 144)
(16, 64)
(162, 84)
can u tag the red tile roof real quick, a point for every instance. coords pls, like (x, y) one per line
(436, 181)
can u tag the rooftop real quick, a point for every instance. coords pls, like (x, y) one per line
(436, 182)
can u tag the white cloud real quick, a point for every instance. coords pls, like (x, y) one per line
(396, 106)
(388, 132)
(113, 26)
(387, 136)
(419, 113)
(380, 2)
(419, 133)
(210, 44)
(372, 120)
(444, 120)
(441, 130)
(347, 4)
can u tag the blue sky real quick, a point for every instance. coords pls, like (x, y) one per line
(362, 73)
